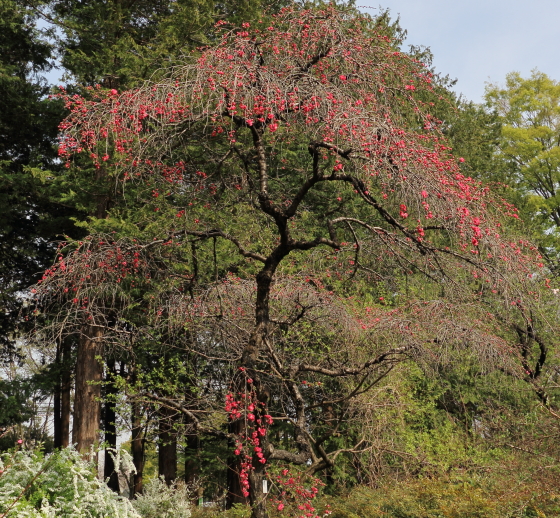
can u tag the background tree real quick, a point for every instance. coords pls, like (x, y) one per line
(529, 110)
(28, 128)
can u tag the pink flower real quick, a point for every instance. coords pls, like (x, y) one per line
(280, 507)
(20, 441)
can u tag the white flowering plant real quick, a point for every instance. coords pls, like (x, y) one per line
(162, 501)
(58, 485)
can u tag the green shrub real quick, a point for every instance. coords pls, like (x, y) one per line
(458, 496)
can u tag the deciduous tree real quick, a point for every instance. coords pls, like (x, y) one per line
(300, 224)
(529, 109)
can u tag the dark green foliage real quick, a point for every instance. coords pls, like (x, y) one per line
(29, 222)
(14, 395)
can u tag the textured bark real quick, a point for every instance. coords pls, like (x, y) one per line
(87, 406)
(256, 495)
(137, 450)
(57, 439)
(167, 447)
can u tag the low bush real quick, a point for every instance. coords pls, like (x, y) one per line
(459, 496)
(59, 485)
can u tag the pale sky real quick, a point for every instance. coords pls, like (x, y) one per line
(476, 41)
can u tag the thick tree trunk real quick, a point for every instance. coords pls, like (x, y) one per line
(87, 406)
(137, 449)
(249, 362)
(257, 495)
(109, 419)
(167, 447)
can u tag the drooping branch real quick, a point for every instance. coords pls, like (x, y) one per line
(353, 371)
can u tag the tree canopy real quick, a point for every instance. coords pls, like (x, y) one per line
(530, 112)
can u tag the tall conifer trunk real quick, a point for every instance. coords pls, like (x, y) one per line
(89, 373)
(192, 460)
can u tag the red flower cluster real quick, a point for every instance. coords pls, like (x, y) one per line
(248, 444)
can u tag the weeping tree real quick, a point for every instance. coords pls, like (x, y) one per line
(298, 223)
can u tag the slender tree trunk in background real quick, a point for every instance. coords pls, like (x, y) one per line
(167, 448)
(110, 417)
(89, 373)
(65, 392)
(137, 449)
(57, 434)
(192, 460)
(57, 439)
(192, 439)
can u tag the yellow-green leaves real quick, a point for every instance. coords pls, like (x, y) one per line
(530, 146)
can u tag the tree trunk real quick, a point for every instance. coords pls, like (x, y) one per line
(192, 439)
(65, 399)
(137, 449)
(234, 493)
(257, 495)
(110, 417)
(87, 406)
(167, 447)
(57, 435)
(192, 460)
